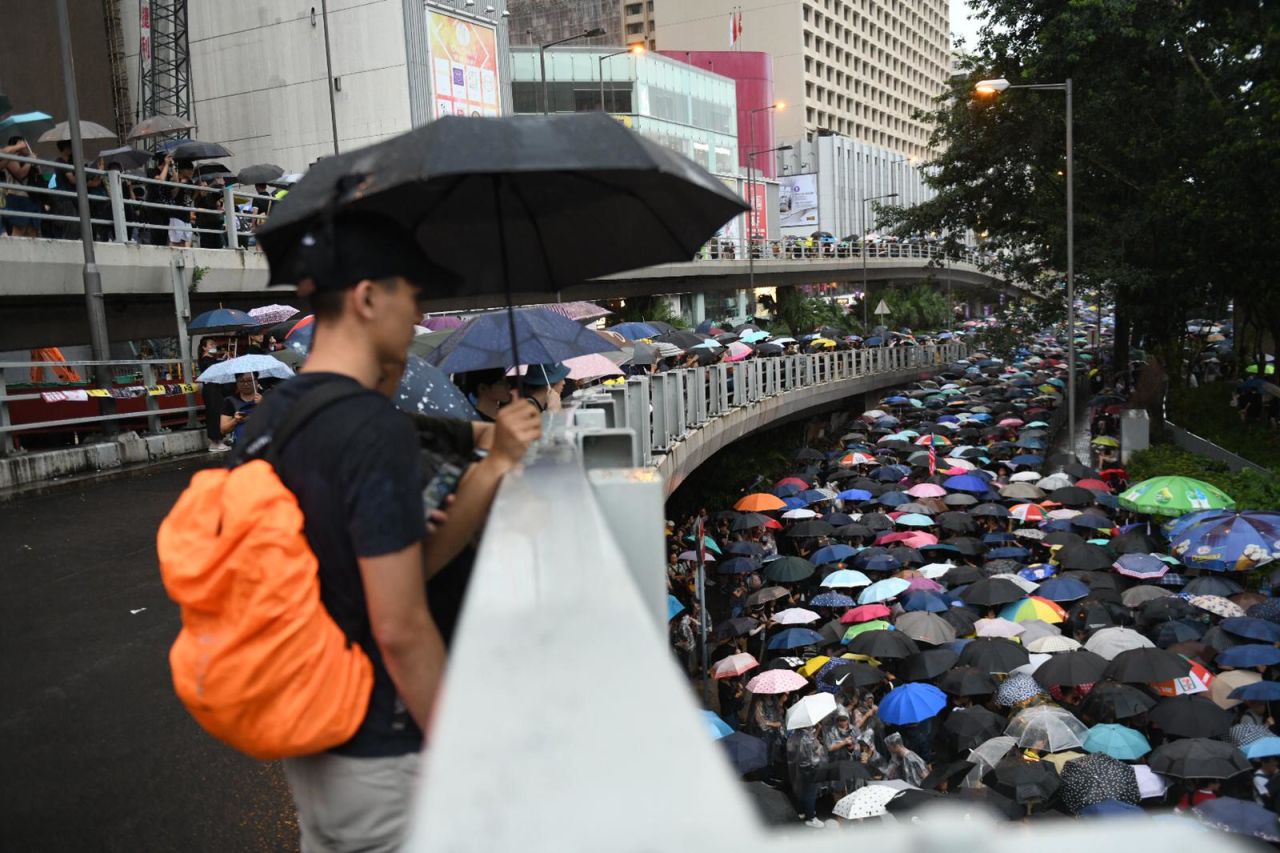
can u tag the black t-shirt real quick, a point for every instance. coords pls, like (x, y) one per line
(354, 469)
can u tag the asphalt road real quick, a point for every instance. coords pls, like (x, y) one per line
(98, 752)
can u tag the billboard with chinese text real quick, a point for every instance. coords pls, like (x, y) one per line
(464, 66)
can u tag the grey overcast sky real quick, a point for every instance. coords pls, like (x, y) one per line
(960, 23)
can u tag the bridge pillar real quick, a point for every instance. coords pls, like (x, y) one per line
(699, 308)
(742, 303)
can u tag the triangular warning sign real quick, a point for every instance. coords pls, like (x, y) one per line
(882, 308)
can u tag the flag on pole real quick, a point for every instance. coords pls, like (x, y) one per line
(735, 26)
(933, 461)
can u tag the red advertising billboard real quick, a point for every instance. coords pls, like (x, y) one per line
(464, 66)
(757, 199)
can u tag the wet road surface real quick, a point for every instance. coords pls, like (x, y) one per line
(98, 752)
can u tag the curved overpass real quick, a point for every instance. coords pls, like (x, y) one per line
(675, 421)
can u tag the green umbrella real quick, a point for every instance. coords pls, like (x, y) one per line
(1174, 496)
(873, 625)
(788, 569)
(424, 344)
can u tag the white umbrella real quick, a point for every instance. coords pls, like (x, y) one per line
(1047, 728)
(269, 315)
(997, 628)
(868, 801)
(1052, 643)
(1109, 642)
(1027, 586)
(795, 616)
(799, 513)
(810, 711)
(1034, 629)
(933, 571)
(1053, 481)
(264, 366)
(1033, 663)
(1062, 514)
(1150, 783)
(1024, 477)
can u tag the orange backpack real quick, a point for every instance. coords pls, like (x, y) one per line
(259, 661)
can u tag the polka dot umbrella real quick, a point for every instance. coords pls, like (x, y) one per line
(868, 801)
(1018, 690)
(1094, 778)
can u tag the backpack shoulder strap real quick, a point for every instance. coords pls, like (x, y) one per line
(269, 445)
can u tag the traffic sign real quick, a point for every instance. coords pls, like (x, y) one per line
(882, 308)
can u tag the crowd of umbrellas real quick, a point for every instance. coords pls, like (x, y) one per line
(1044, 640)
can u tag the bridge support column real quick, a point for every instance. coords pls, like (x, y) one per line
(699, 308)
(975, 307)
(743, 307)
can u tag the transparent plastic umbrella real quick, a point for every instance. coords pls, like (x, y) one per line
(1047, 728)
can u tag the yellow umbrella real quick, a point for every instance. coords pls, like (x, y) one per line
(827, 343)
(1057, 759)
(1105, 441)
(863, 658)
(812, 665)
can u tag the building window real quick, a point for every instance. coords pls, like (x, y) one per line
(635, 8)
(635, 29)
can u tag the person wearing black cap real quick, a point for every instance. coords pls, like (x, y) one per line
(354, 467)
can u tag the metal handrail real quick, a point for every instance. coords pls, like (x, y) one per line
(793, 249)
(145, 367)
(237, 226)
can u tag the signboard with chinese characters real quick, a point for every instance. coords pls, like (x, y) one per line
(464, 66)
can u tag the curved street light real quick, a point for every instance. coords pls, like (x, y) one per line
(542, 59)
(634, 50)
(751, 195)
(992, 88)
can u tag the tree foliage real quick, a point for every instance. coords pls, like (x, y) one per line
(1177, 156)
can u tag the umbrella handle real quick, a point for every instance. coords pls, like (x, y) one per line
(506, 283)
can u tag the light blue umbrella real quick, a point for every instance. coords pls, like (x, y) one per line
(265, 366)
(883, 590)
(1120, 742)
(28, 125)
(1267, 747)
(673, 607)
(914, 519)
(845, 578)
(716, 727)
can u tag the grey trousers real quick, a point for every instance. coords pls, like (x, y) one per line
(352, 805)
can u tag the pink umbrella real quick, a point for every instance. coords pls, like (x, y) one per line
(899, 536)
(918, 539)
(738, 351)
(1010, 422)
(442, 323)
(583, 312)
(591, 366)
(921, 583)
(777, 681)
(997, 628)
(734, 665)
(927, 490)
(864, 613)
(690, 557)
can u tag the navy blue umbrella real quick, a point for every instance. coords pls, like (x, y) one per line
(1249, 654)
(1253, 629)
(738, 566)
(426, 390)
(1259, 691)
(747, 753)
(1063, 589)
(930, 602)
(222, 320)
(794, 638)
(543, 337)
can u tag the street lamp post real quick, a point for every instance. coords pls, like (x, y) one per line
(751, 196)
(634, 50)
(866, 215)
(995, 87)
(542, 59)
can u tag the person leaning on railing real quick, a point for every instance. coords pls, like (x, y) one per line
(14, 176)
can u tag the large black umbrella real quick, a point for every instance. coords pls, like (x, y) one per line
(884, 645)
(968, 681)
(262, 173)
(926, 665)
(1077, 667)
(993, 654)
(960, 618)
(1097, 777)
(1145, 666)
(748, 521)
(810, 528)
(973, 726)
(852, 673)
(525, 205)
(1190, 716)
(1084, 556)
(1025, 781)
(992, 592)
(128, 158)
(951, 773)
(1198, 758)
(1110, 701)
(194, 149)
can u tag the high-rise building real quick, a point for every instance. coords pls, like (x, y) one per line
(534, 22)
(858, 68)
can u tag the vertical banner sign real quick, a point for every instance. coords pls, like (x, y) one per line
(144, 35)
(759, 225)
(700, 542)
(464, 66)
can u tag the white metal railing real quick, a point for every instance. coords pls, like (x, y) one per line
(799, 249)
(661, 409)
(126, 208)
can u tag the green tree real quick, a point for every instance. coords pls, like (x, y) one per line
(1177, 156)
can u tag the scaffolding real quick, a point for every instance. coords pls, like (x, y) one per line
(120, 101)
(164, 59)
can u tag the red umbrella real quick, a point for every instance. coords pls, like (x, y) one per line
(1093, 485)
(791, 481)
(301, 324)
(865, 613)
